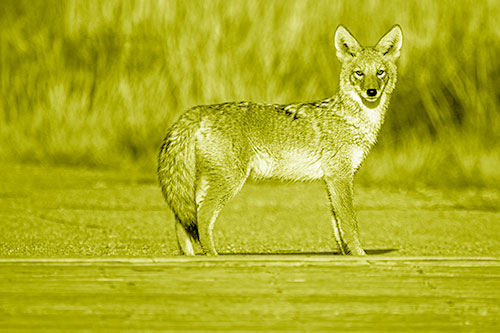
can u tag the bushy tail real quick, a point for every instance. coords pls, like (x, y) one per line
(177, 172)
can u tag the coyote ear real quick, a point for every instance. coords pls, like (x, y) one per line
(347, 46)
(390, 43)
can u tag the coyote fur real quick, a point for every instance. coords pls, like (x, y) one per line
(209, 153)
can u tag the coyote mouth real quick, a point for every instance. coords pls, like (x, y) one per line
(371, 102)
(371, 99)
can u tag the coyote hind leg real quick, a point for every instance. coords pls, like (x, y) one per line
(217, 191)
(184, 239)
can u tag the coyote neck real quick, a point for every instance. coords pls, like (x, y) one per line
(367, 118)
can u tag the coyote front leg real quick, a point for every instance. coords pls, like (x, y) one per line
(344, 222)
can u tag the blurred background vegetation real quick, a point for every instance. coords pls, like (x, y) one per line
(97, 83)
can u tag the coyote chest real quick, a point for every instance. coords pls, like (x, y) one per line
(289, 165)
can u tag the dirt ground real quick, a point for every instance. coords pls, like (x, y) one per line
(61, 212)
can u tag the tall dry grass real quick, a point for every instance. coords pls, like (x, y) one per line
(98, 82)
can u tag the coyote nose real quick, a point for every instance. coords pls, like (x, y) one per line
(371, 92)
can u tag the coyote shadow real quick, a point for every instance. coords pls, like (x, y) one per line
(304, 253)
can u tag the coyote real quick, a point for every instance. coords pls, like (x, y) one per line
(209, 153)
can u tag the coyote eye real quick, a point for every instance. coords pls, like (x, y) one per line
(380, 72)
(359, 73)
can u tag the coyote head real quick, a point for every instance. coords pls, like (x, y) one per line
(367, 73)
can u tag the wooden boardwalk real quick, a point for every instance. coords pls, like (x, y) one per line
(251, 293)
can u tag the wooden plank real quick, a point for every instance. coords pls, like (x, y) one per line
(247, 258)
(268, 260)
(251, 293)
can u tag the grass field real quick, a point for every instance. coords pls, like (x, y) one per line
(97, 83)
